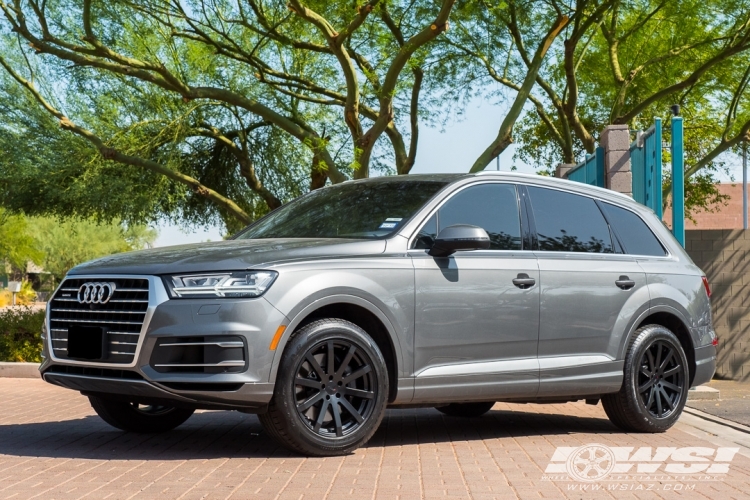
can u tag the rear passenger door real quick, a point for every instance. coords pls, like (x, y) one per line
(590, 291)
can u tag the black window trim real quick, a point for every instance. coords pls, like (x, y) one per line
(525, 229)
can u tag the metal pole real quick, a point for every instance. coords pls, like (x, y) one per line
(497, 158)
(678, 181)
(744, 185)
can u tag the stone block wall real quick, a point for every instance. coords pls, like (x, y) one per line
(724, 255)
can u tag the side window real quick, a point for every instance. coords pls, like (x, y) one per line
(634, 235)
(568, 222)
(493, 207)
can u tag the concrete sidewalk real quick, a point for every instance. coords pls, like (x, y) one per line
(52, 446)
(734, 402)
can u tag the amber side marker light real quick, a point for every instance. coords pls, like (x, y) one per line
(706, 286)
(277, 337)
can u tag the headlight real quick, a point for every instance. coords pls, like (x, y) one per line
(241, 284)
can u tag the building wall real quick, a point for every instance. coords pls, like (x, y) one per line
(722, 216)
(724, 255)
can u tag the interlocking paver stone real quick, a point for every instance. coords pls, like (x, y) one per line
(53, 447)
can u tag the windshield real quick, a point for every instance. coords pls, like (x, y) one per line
(349, 210)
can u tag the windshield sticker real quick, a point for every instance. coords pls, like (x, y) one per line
(394, 219)
(388, 225)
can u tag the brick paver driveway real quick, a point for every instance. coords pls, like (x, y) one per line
(52, 446)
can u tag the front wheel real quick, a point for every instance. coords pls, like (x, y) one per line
(134, 417)
(655, 385)
(330, 392)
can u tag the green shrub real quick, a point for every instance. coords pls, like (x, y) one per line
(21, 334)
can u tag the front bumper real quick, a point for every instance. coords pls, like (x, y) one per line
(254, 321)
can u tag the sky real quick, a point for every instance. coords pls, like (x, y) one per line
(451, 149)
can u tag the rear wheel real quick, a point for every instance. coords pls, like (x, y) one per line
(134, 417)
(655, 386)
(330, 392)
(466, 409)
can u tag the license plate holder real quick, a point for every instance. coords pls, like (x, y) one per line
(87, 342)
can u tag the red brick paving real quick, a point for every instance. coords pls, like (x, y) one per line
(53, 447)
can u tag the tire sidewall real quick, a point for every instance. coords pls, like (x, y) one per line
(284, 394)
(644, 341)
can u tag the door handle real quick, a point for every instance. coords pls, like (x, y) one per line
(625, 283)
(523, 281)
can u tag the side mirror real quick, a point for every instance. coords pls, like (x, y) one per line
(459, 237)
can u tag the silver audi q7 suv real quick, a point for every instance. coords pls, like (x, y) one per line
(446, 291)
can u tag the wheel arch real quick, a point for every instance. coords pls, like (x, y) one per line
(671, 319)
(362, 313)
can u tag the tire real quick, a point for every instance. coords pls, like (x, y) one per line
(133, 417)
(655, 384)
(321, 408)
(466, 410)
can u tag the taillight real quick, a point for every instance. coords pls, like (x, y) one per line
(706, 286)
(715, 341)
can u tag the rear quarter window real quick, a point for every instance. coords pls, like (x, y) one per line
(634, 234)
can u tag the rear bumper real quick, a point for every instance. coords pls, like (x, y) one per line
(705, 365)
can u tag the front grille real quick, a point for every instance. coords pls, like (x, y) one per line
(121, 317)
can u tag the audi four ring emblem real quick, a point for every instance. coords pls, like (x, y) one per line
(96, 293)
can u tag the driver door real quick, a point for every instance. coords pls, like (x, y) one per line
(476, 332)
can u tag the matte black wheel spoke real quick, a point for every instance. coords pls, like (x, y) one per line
(359, 373)
(645, 386)
(348, 391)
(306, 382)
(337, 419)
(345, 362)
(650, 401)
(645, 372)
(672, 371)
(666, 397)
(352, 411)
(330, 359)
(657, 363)
(664, 363)
(310, 401)
(671, 386)
(316, 366)
(321, 415)
(651, 363)
(659, 408)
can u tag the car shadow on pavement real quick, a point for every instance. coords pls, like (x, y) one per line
(221, 434)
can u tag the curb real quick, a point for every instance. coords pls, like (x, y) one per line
(19, 370)
(702, 393)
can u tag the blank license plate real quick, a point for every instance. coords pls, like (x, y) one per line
(86, 342)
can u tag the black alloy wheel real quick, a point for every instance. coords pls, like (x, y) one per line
(661, 379)
(656, 379)
(330, 392)
(334, 388)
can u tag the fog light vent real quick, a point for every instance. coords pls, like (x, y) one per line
(214, 354)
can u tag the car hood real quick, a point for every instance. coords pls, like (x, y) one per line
(228, 255)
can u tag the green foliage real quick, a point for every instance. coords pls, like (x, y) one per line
(21, 334)
(17, 246)
(66, 244)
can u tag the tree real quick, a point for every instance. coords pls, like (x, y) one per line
(17, 247)
(66, 244)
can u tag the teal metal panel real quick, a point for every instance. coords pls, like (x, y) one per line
(638, 173)
(678, 181)
(591, 170)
